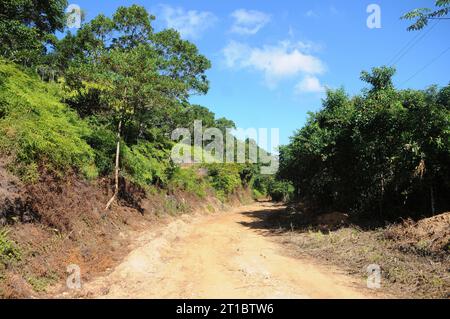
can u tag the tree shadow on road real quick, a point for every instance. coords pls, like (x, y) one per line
(278, 221)
(302, 217)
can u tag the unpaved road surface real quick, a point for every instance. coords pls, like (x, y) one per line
(220, 256)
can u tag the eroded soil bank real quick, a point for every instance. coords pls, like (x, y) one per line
(59, 221)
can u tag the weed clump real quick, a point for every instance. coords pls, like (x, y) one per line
(9, 252)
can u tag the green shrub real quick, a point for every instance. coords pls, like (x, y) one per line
(260, 183)
(36, 128)
(189, 180)
(281, 191)
(224, 178)
(40, 284)
(8, 250)
(257, 194)
(146, 163)
(103, 142)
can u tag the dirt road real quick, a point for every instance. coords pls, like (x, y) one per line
(220, 256)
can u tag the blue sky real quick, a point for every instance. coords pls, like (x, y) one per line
(272, 59)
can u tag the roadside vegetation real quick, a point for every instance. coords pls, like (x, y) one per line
(85, 147)
(384, 153)
(371, 173)
(116, 91)
(371, 179)
(85, 139)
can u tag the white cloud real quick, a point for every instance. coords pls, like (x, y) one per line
(234, 54)
(291, 32)
(334, 10)
(249, 22)
(190, 24)
(311, 14)
(284, 60)
(310, 84)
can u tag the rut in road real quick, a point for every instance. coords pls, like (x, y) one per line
(217, 256)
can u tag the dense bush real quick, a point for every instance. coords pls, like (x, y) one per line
(146, 163)
(224, 178)
(260, 185)
(189, 180)
(280, 191)
(9, 252)
(385, 151)
(103, 142)
(35, 128)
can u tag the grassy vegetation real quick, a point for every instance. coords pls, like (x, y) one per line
(37, 129)
(147, 163)
(189, 180)
(9, 252)
(224, 178)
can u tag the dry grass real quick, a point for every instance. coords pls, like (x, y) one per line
(414, 256)
(405, 275)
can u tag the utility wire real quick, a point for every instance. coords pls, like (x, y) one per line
(409, 46)
(426, 66)
(403, 48)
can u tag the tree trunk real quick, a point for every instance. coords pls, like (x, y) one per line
(433, 209)
(116, 186)
(382, 196)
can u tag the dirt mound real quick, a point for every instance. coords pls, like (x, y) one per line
(429, 236)
(67, 204)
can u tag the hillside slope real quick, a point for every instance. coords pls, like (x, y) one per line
(53, 189)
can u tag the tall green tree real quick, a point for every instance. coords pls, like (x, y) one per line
(136, 73)
(385, 151)
(27, 26)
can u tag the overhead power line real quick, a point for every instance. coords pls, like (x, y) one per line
(426, 65)
(403, 48)
(410, 45)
